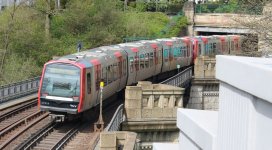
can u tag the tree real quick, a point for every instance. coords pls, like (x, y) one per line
(8, 23)
(260, 25)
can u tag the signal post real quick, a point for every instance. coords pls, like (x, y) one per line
(99, 125)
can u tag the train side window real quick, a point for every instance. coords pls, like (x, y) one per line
(175, 52)
(199, 50)
(179, 52)
(232, 46)
(142, 61)
(159, 56)
(104, 76)
(120, 69)
(115, 72)
(187, 50)
(109, 74)
(89, 85)
(183, 52)
(147, 60)
(131, 66)
(124, 67)
(151, 59)
(214, 48)
(165, 55)
(136, 62)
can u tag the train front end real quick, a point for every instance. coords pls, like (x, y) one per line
(60, 88)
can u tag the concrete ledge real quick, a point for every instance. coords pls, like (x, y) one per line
(152, 125)
(165, 146)
(111, 140)
(249, 74)
(198, 127)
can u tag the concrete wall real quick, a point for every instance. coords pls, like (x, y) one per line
(220, 20)
(151, 111)
(152, 101)
(198, 129)
(204, 89)
(245, 114)
(204, 67)
(113, 140)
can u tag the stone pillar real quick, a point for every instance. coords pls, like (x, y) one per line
(189, 11)
(196, 97)
(133, 102)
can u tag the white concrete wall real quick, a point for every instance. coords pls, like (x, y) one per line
(236, 119)
(186, 143)
(198, 129)
(245, 103)
(245, 121)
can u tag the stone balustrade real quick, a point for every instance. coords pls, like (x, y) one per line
(117, 140)
(205, 67)
(147, 100)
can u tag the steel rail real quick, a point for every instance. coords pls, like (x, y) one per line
(3, 145)
(33, 140)
(17, 110)
(67, 137)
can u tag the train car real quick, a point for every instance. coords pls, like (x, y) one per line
(155, 56)
(70, 84)
(184, 54)
(235, 42)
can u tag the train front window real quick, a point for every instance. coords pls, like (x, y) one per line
(61, 80)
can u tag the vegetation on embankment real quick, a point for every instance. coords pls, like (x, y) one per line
(31, 35)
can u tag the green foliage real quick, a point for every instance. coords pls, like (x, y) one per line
(231, 7)
(168, 6)
(144, 24)
(175, 29)
(93, 22)
(18, 69)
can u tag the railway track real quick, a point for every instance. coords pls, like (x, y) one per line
(12, 132)
(53, 136)
(17, 119)
(69, 135)
(11, 115)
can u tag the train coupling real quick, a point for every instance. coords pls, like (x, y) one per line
(57, 117)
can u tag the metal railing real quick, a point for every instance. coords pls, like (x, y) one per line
(114, 124)
(116, 120)
(19, 89)
(181, 79)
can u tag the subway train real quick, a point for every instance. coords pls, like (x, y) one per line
(70, 84)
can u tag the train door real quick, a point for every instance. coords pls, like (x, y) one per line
(137, 65)
(120, 69)
(236, 44)
(133, 65)
(166, 56)
(171, 57)
(197, 49)
(156, 53)
(206, 46)
(97, 79)
(87, 103)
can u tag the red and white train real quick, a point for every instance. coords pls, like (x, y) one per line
(70, 85)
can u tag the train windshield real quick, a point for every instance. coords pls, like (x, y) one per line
(61, 80)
